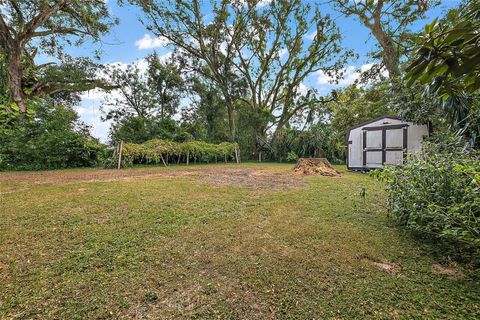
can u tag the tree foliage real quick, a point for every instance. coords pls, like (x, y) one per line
(353, 105)
(206, 117)
(143, 105)
(264, 46)
(447, 64)
(390, 23)
(318, 141)
(448, 59)
(29, 27)
(50, 137)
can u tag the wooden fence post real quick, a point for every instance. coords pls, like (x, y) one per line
(163, 160)
(120, 154)
(237, 155)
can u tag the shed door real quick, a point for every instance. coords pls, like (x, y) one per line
(373, 146)
(394, 145)
(385, 144)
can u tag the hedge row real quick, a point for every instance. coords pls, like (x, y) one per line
(163, 151)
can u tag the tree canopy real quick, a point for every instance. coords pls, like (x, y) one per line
(265, 47)
(30, 27)
(390, 22)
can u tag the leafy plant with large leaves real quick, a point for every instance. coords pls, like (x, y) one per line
(448, 59)
(447, 63)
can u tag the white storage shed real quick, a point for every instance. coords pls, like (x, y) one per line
(384, 140)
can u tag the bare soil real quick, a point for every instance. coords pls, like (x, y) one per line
(249, 178)
(451, 271)
(384, 265)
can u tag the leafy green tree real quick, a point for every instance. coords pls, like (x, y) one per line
(51, 137)
(28, 27)
(318, 140)
(263, 45)
(354, 105)
(207, 117)
(166, 82)
(135, 96)
(137, 129)
(145, 101)
(389, 21)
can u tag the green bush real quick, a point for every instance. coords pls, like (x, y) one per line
(437, 194)
(292, 156)
(48, 137)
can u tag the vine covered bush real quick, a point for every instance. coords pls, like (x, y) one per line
(437, 194)
(163, 151)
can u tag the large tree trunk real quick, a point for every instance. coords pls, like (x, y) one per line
(390, 54)
(14, 78)
(231, 121)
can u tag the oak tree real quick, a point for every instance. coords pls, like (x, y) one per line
(32, 27)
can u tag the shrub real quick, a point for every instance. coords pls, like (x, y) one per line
(292, 156)
(437, 194)
(48, 137)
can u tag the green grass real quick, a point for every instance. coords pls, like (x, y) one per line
(160, 247)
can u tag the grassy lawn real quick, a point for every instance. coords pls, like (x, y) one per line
(218, 241)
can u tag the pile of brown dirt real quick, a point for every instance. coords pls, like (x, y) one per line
(315, 166)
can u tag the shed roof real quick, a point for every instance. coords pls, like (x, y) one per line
(373, 120)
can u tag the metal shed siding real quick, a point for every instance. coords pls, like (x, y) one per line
(392, 136)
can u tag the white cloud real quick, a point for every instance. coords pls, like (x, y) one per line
(90, 113)
(303, 89)
(263, 3)
(148, 42)
(282, 52)
(311, 36)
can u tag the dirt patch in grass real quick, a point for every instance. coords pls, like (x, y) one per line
(255, 179)
(451, 271)
(384, 265)
(244, 177)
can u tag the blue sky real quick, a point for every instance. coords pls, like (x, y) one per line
(130, 41)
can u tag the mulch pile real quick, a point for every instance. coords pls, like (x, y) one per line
(315, 166)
